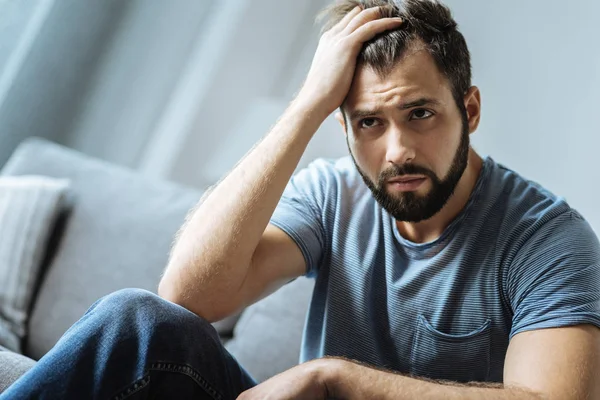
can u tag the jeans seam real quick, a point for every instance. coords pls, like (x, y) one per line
(170, 367)
(133, 388)
(191, 372)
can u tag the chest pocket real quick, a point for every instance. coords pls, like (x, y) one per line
(459, 358)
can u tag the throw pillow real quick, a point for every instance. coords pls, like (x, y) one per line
(29, 207)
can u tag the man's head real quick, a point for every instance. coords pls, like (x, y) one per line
(411, 107)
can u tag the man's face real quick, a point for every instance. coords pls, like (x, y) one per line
(407, 136)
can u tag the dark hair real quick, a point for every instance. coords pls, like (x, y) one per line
(426, 20)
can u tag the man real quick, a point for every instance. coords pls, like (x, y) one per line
(439, 274)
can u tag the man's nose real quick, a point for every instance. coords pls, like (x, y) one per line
(400, 146)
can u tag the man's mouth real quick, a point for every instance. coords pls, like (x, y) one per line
(406, 179)
(406, 183)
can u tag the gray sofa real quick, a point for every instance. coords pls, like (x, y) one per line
(116, 232)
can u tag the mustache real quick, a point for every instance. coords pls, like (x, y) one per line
(406, 169)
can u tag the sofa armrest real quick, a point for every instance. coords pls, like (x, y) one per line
(12, 366)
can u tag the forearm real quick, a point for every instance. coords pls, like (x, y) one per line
(213, 251)
(349, 381)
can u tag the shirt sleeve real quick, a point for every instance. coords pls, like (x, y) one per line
(300, 214)
(554, 280)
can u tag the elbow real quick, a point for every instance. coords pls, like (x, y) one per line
(169, 292)
(172, 293)
(171, 286)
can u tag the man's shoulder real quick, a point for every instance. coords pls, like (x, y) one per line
(520, 198)
(524, 208)
(332, 184)
(332, 174)
(324, 167)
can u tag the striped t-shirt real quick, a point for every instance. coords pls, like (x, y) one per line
(516, 258)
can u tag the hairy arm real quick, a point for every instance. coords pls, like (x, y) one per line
(544, 364)
(212, 255)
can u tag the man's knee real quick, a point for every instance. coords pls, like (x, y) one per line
(126, 300)
(141, 306)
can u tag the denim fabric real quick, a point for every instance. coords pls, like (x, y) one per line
(135, 345)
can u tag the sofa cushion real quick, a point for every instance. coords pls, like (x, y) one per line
(12, 366)
(267, 338)
(29, 207)
(118, 235)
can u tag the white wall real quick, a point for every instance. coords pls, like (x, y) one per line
(537, 64)
(234, 88)
(45, 62)
(13, 26)
(135, 76)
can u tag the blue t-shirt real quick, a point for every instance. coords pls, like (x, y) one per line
(516, 258)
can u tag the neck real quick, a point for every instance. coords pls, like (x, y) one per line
(431, 229)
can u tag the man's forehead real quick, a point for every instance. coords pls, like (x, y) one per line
(414, 76)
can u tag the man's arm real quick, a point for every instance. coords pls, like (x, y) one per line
(215, 268)
(213, 253)
(544, 364)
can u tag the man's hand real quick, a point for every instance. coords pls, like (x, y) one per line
(304, 381)
(333, 66)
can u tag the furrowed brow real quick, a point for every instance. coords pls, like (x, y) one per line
(419, 103)
(358, 114)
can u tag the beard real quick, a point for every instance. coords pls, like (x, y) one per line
(409, 206)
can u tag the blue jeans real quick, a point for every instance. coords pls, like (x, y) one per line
(134, 345)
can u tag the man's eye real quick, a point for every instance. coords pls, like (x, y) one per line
(421, 113)
(368, 123)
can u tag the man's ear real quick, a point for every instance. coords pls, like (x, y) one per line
(340, 118)
(473, 106)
